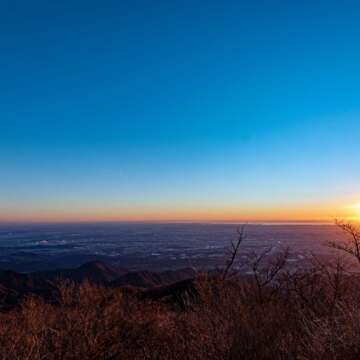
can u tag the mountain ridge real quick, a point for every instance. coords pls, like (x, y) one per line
(15, 286)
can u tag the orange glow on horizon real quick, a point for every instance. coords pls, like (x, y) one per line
(250, 213)
(357, 209)
(355, 212)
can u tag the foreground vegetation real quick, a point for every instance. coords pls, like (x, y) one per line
(275, 313)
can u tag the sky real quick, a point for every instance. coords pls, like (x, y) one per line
(179, 110)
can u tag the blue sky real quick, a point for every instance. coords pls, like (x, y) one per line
(178, 109)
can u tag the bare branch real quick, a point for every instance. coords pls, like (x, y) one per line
(352, 244)
(234, 251)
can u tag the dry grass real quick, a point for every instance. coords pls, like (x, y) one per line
(306, 314)
(310, 315)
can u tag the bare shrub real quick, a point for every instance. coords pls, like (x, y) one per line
(351, 245)
(276, 313)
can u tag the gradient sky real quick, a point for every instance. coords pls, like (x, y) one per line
(179, 110)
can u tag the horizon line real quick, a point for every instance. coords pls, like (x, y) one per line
(174, 221)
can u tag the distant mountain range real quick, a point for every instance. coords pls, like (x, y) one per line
(15, 286)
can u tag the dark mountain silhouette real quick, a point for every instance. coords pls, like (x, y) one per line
(94, 271)
(15, 286)
(176, 293)
(148, 279)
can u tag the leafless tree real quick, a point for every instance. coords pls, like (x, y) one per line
(233, 252)
(266, 272)
(351, 245)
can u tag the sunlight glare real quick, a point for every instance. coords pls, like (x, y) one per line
(356, 207)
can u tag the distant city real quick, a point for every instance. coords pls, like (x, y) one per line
(137, 246)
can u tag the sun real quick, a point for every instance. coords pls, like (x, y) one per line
(356, 209)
